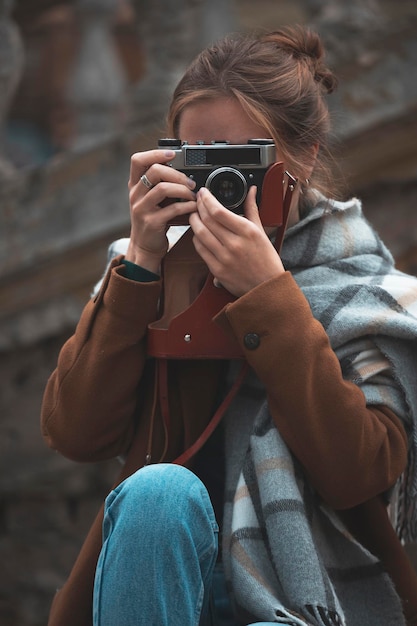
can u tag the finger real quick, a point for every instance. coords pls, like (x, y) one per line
(206, 253)
(226, 226)
(205, 235)
(174, 210)
(140, 162)
(156, 171)
(213, 213)
(251, 208)
(159, 173)
(160, 192)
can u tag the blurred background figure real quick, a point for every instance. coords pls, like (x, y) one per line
(84, 83)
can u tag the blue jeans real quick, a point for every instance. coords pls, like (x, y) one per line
(157, 563)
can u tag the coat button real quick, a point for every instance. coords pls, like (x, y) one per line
(251, 341)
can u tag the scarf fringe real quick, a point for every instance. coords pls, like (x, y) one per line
(324, 616)
(405, 505)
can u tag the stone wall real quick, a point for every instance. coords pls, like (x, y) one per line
(47, 503)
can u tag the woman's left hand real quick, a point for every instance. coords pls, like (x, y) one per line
(236, 249)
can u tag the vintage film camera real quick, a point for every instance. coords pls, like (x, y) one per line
(228, 171)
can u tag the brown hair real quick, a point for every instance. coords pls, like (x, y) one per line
(280, 80)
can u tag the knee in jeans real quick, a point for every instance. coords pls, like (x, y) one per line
(163, 480)
(167, 494)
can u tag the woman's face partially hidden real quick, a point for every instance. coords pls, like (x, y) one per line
(223, 119)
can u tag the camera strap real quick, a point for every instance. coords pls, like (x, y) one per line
(215, 420)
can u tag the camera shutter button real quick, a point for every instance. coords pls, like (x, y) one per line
(168, 142)
(251, 341)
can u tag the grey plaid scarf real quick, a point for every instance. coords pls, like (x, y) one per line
(287, 557)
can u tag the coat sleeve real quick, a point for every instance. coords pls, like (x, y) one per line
(350, 451)
(90, 399)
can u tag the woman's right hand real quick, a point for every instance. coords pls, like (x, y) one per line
(149, 214)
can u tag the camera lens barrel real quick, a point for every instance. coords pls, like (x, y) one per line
(228, 185)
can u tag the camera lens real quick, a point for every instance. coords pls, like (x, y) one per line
(228, 186)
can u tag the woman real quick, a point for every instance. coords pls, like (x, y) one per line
(300, 471)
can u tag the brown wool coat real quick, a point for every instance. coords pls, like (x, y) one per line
(97, 405)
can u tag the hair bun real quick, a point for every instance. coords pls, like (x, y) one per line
(305, 45)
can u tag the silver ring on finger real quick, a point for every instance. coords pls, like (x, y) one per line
(145, 181)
